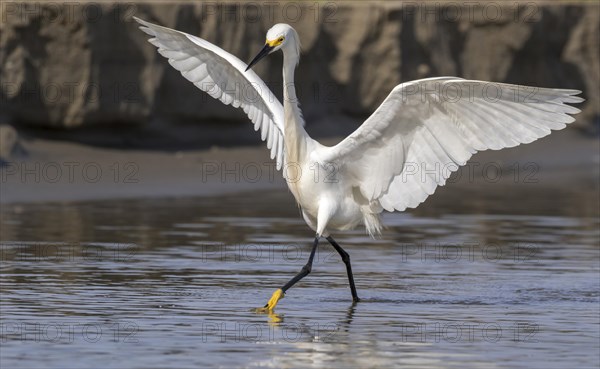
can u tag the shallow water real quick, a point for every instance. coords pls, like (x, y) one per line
(501, 280)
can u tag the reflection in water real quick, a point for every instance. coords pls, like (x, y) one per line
(468, 280)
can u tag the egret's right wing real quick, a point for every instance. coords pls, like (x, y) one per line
(222, 76)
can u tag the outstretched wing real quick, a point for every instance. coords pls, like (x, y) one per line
(425, 129)
(222, 76)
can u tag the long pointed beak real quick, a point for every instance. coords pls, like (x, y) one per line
(264, 52)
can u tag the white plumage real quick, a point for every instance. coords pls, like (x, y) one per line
(421, 133)
(222, 76)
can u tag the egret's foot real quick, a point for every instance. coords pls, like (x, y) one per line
(270, 306)
(355, 299)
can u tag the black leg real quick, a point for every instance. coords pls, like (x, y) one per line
(279, 294)
(305, 269)
(346, 260)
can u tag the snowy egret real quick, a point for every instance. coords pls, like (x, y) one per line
(422, 132)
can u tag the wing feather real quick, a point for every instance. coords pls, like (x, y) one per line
(426, 129)
(222, 76)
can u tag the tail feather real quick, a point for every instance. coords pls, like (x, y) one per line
(372, 223)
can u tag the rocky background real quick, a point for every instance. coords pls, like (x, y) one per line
(83, 71)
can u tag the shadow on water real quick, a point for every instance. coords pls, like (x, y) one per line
(471, 279)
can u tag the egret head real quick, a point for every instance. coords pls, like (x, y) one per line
(280, 36)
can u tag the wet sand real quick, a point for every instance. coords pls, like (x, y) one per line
(64, 171)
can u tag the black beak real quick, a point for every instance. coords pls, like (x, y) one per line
(264, 52)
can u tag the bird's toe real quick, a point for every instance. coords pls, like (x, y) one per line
(270, 305)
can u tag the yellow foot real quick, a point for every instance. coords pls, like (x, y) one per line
(270, 306)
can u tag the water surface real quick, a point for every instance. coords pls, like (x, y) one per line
(472, 279)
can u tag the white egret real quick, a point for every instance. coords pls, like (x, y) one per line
(422, 132)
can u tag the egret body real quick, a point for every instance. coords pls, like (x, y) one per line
(422, 132)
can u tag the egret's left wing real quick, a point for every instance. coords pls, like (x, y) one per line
(425, 129)
(222, 76)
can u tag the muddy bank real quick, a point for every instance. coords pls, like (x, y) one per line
(60, 171)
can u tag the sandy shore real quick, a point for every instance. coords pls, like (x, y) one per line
(63, 171)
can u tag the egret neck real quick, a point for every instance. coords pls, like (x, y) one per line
(295, 136)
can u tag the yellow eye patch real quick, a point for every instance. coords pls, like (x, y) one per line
(276, 42)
